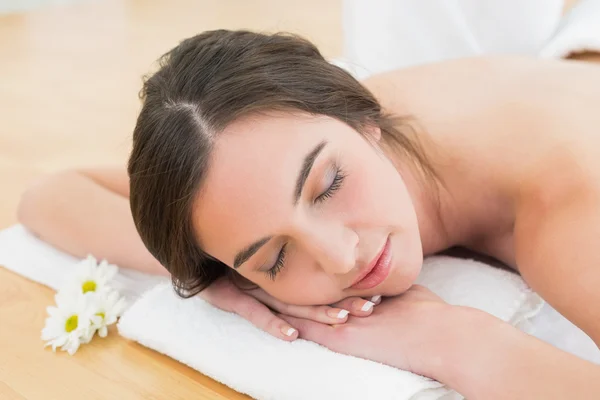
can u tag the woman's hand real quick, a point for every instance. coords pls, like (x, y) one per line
(406, 331)
(474, 353)
(256, 306)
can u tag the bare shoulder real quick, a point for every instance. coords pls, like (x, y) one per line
(450, 82)
(453, 84)
(515, 116)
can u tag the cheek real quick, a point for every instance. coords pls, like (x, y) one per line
(376, 195)
(406, 263)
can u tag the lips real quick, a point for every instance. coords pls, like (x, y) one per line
(376, 271)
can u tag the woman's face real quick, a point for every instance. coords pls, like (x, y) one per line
(301, 205)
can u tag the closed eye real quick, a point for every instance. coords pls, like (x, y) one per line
(335, 185)
(279, 264)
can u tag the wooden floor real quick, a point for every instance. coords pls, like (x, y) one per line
(69, 78)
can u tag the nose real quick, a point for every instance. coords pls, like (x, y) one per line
(333, 245)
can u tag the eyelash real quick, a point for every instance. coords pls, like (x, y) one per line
(335, 186)
(272, 273)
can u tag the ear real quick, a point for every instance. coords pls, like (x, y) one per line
(374, 132)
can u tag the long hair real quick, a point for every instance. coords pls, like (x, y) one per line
(202, 85)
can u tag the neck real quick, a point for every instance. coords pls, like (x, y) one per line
(442, 224)
(445, 218)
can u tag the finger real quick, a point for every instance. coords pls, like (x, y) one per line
(357, 306)
(325, 314)
(334, 337)
(228, 297)
(262, 317)
(310, 330)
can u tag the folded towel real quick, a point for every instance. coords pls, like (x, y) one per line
(231, 350)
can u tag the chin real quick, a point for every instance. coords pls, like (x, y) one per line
(402, 276)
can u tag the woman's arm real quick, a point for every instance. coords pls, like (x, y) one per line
(490, 359)
(557, 246)
(83, 214)
(474, 353)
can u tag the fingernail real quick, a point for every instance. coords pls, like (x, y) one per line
(337, 313)
(367, 306)
(288, 330)
(375, 299)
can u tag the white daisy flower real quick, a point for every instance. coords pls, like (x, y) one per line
(86, 304)
(89, 276)
(69, 322)
(108, 307)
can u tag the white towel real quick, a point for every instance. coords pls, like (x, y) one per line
(231, 350)
(234, 352)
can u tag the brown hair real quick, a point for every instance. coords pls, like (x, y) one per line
(204, 84)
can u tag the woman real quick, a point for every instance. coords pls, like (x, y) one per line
(256, 160)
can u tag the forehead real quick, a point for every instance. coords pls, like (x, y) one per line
(251, 178)
(263, 143)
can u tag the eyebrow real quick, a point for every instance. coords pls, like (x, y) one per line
(309, 160)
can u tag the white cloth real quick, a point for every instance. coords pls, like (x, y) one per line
(579, 31)
(231, 350)
(381, 35)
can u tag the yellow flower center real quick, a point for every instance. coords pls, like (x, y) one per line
(101, 314)
(71, 323)
(88, 286)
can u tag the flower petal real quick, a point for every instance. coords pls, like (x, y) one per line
(53, 311)
(87, 335)
(102, 332)
(96, 320)
(59, 341)
(72, 347)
